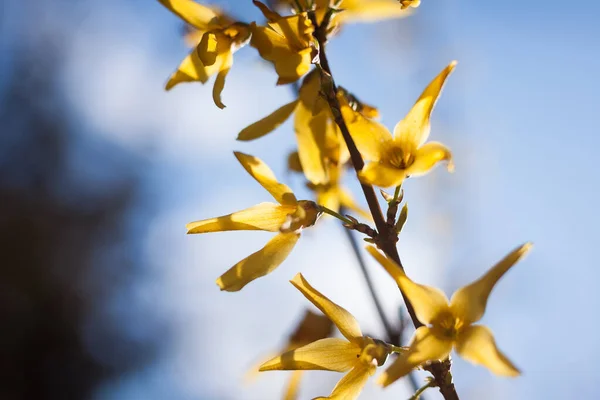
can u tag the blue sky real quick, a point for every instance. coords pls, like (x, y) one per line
(519, 114)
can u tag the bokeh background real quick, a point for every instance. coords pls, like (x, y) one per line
(103, 296)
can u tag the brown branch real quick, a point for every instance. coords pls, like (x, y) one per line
(387, 236)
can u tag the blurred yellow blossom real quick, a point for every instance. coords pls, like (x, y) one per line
(288, 218)
(410, 3)
(287, 42)
(450, 324)
(219, 37)
(405, 154)
(358, 354)
(311, 328)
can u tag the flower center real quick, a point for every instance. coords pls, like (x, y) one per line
(399, 158)
(448, 326)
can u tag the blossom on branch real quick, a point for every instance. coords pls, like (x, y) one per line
(394, 158)
(288, 218)
(358, 355)
(287, 42)
(450, 324)
(219, 37)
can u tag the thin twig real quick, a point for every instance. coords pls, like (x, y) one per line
(387, 236)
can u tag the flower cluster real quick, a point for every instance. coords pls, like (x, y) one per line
(334, 131)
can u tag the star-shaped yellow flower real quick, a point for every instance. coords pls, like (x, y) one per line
(450, 324)
(405, 154)
(220, 37)
(358, 354)
(311, 328)
(288, 218)
(287, 42)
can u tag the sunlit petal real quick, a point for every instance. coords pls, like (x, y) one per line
(345, 322)
(477, 345)
(268, 123)
(191, 69)
(413, 130)
(427, 156)
(262, 217)
(220, 81)
(311, 134)
(263, 175)
(350, 386)
(208, 48)
(425, 346)
(258, 264)
(378, 174)
(468, 303)
(428, 302)
(371, 11)
(191, 12)
(331, 354)
(372, 138)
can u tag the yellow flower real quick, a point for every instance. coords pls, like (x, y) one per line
(410, 3)
(312, 327)
(220, 37)
(450, 324)
(405, 154)
(320, 143)
(287, 42)
(358, 354)
(288, 218)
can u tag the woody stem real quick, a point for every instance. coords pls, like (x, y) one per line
(387, 236)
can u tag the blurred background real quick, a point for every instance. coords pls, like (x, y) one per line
(103, 296)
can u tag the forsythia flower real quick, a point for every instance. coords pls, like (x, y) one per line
(287, 42)
(288, 218)
(358, 354)
(312, 327)
(405, 154)
(450, 324)
(220, 38)
(410, 3)
(319, 139)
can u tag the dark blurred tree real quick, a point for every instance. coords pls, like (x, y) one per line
(65, 244)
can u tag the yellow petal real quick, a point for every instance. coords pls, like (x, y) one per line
(208, 48)
(268, 123)
(414, 129)
(477, 345)
(468, 303)
(191, 69)
(191, 12)
(372, 139)
(291, 392)
(329, 198)
(345, 322)
(292, 65)
(220, 81)
(350, 386)
(263, 175)
(258, 264)
(266, 11)
(427, 156)
(261, 217)
(371, 11)
(331, 354)
(378, 174)
(311, 134)
(347, 201)
(425, 346)
(428, 302)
